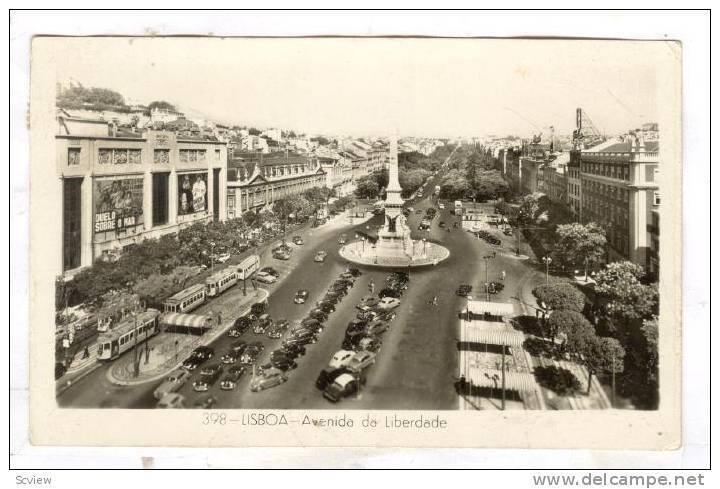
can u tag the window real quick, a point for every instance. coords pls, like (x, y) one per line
(656, 198)
(119, 156)
(217, 155)
(71, 222)
(73, 156)
(192, 155)
(161, 156)
(160, 198)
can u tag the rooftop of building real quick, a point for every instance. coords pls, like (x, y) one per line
(625, 147)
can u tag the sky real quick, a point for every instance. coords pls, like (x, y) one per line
(363, 87)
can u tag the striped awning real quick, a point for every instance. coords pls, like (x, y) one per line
(186, 320)
(516, 381)
(490, 334)
(493, 308)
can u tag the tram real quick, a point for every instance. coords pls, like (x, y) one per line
(219, 282)
(130, 331)
(186, 300)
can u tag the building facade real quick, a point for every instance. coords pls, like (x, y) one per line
(574, 184)
(119, 188)
(255, 181)
(620, 192)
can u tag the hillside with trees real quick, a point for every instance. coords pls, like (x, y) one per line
(80, 97)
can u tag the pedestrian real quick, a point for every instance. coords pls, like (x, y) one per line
(86, 352)
(435, 301)
(502, 275)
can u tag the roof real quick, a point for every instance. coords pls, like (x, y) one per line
(487, 333)
(626, 147)
(190, 290)
(516, 381)
(186, 320)
(493, 308)
(128, 323)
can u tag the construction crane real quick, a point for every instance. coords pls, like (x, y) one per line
(585, 135)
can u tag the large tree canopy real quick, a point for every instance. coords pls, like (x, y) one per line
(580, 244)
(558, 296)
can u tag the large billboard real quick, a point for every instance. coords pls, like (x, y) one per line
(118, 204)
(192, 193)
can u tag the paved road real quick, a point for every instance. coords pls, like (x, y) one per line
(418, 362)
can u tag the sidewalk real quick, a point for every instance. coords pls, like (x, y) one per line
(164, 355)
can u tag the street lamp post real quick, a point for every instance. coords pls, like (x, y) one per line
(212, 257)
(547, 260)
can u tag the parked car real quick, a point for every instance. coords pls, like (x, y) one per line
(348, 277)
(318, 314)
(172, 400)
(205, 402)
(355, 272)
(340, 359)
(258, 308)
(263, 323)
(251, 353)
(464, 290)
(320, 256)
(368, 303)
(293, 349)
(342, 239)
(367, 315)
(304, 335)
(389, 292)
(356, 325)
(269, 378)
(197, 357)
(360, 361)
(332, 296)
(208, 376)
(388, 303)
(298, 240)
(377, 327)
(265, 278)
(369, 343)
(343, 386)
(222, 258)
(281, 361)
(281, 254)
(328, 376)
(326, 306)
(229, 358)
(278, 329)
(172, 383)
(238, 347)
(441, 205)
(301, 296)
(270, 271)
(230, 380)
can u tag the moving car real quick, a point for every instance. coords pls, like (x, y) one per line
(229, 382)
(340, 359)
(208, 376)
(344, 385)
(441, 205)
(298, 240)
(441, 224)
(328, 376)
(342, 239)
(320, 256)
(172, 400)
(270, 378)
(360, 361)
(301, 296)
(508, 232)
(222, 258)
(172, 383)
(281, 254)
(388, 303)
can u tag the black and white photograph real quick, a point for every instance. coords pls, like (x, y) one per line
(371, 241)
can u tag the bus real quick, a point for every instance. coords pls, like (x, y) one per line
(248, 267)
(220, 281)
(129, 332)
(186, 300)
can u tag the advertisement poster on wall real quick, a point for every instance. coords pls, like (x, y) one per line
(118, 204)
(192, 193)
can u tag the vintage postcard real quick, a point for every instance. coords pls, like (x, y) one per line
(372, 242)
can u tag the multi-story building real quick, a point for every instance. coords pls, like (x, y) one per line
(256, 180)
(620, 191)
(338, 172)
(118, 188)
(574, 184)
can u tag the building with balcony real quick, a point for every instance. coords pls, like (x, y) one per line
(117, 188)
(620, 191)
(256, 180)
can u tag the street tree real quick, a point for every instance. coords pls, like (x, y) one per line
(627, 297)
(161, 104)
(559, 296)
(529, 207)
(601, 355)
(580, 244)
(572, 325)
(367, 188)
